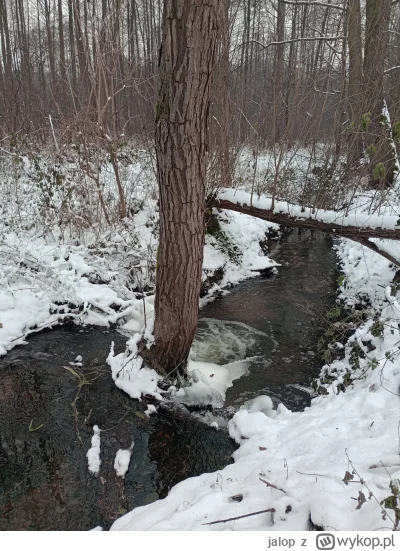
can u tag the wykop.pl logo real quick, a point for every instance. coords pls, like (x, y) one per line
(325, 541)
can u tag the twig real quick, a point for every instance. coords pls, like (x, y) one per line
(313, 474)
(384, 511)
(272, 485)
(54, 135)
(237, 518)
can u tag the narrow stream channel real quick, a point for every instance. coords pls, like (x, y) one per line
(47, 413)
(276, 321)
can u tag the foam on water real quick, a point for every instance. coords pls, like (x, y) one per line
(224, 342)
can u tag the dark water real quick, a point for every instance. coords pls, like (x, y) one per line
(44, 480)
(280, 322)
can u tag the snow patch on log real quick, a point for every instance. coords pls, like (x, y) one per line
(354, 219)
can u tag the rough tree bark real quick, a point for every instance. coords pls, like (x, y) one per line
(279, 66)
(355, 87)
(187, 59)
(377, 135)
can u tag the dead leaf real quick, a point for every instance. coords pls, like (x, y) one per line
(347, 477)
(361, 500)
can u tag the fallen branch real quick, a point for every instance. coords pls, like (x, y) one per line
(237, 518)
(272, 485)
(370, 245)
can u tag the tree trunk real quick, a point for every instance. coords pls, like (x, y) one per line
(188, 52)
(355, 82)
(63, 64)
(279, 113)
(72, 46)
(377, 136)
(50, 45)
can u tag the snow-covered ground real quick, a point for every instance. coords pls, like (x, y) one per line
(51, 269)
(334, 464)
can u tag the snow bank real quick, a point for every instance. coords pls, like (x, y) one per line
(20, 311)
(208, 383)
(42, 280)
(244, 233)
(129, 373)
(304, 458)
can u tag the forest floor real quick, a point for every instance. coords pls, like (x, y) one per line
(335, 465)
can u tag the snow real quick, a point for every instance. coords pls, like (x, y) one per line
(122, 460)
(130, 375)
(21, 310)
(301, 459)
(260, 403)
(245, 232)
(93, 276)
(370, 272)
(208, 383)
(150, 410)
(353, 218)
(93, 454)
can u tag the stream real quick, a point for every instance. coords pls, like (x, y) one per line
(47, 412)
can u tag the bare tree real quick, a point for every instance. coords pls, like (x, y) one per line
(377, 136)
(279, 115)
(189, 39)
(355, 88)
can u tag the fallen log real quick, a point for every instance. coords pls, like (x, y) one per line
(359, 228)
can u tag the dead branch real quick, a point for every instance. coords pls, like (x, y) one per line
(272, 485)
(306, 3)
(237, 518)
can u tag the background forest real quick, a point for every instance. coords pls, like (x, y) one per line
(84, 73)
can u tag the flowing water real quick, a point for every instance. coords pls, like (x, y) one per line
(275, 321)
(47, 412)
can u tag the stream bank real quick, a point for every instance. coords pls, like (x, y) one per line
(44, 481)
